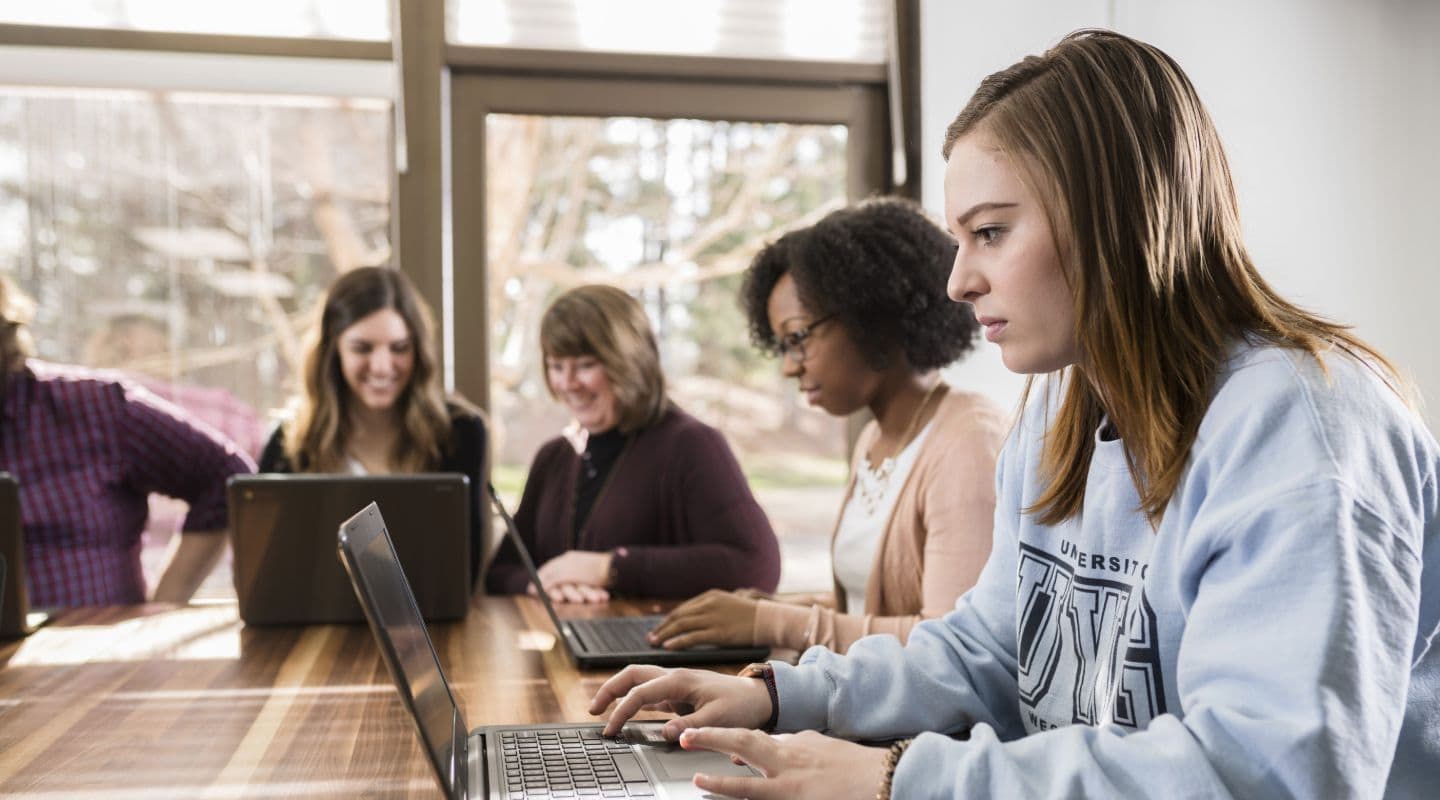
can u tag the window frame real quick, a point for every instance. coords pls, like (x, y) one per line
(443, 92)
(618, 89)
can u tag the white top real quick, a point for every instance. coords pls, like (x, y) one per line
(862, 522)
(354, 467)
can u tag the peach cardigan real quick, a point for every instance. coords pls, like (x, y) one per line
(932, 548)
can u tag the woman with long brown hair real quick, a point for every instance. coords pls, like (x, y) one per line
(1216, 569)
(373, 401)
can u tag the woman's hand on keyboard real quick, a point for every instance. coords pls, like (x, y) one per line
(792, 766)
(699, 698)
(715, 617)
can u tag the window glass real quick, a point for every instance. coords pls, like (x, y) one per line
(672, 211)
(827, 30)
(326, 19)
(184, 239)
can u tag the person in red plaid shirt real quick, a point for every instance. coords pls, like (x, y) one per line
(88, 448)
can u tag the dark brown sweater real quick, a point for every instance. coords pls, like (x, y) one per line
(676, 510)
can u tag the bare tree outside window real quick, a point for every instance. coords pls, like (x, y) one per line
(185, 239)
(672, 211)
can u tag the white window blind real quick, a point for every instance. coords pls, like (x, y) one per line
(824, 30)
(326, 19)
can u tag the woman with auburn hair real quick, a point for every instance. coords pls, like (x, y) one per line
(1216, 569)
(855, 308)
(373, 402)
(637, 497)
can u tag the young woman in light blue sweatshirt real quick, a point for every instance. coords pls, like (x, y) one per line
(1216, 568)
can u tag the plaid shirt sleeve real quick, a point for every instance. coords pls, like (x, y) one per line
(165, 450)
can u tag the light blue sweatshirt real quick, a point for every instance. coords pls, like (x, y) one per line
(1273, 638)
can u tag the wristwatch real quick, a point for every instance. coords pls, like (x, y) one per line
(763, 671)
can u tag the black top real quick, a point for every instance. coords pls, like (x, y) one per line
(464, 453)
(602, 450)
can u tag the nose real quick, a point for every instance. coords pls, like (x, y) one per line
(382, 361)
(966, 284)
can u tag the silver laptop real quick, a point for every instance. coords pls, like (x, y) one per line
(285, 568)
(617, 641)
(502, 762)
(16, 617)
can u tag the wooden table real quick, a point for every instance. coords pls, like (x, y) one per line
(164, 702)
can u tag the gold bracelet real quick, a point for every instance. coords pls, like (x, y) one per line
(892, 760)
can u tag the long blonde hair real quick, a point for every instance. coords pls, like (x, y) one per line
(1111, 135)
(315, 441)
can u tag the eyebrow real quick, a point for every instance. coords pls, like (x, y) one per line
(373, 342)
(800, 318)
(977, 208)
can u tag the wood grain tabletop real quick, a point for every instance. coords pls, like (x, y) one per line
(188, 702)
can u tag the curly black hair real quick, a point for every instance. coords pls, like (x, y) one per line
(880, 267)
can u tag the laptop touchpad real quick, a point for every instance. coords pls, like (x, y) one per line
(672, 764)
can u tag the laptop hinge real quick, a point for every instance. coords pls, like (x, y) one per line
(476, 781)
(579, 645)
(459, 757)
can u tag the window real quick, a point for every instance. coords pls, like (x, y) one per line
(670, 208)
(672, 211)
(184, 239)
(828, 30)
(338, 19)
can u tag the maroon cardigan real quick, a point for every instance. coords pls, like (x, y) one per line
(675, 501)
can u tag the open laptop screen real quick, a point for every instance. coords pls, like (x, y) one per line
(524, 552)
(404, 641)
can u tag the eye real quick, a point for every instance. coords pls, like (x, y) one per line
(988, 235)
(400, 347)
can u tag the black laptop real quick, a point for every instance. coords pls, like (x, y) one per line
(16, 617)
(509, 762)
(617, 641)
(285, 567)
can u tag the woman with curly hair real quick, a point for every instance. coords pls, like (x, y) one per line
(855, 308)
(373, 402)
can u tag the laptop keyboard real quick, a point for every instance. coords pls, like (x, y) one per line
(566, 763)
(615, 634)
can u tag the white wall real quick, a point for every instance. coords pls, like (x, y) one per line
(1330, 112)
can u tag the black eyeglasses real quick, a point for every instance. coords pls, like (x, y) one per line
(793, 343)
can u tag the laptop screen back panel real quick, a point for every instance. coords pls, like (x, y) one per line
(14, 602)
(285, 567)
(467, 765)
(379, 584)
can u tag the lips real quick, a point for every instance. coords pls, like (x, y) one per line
(994, 326)
(580, 404)
(812, 394)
